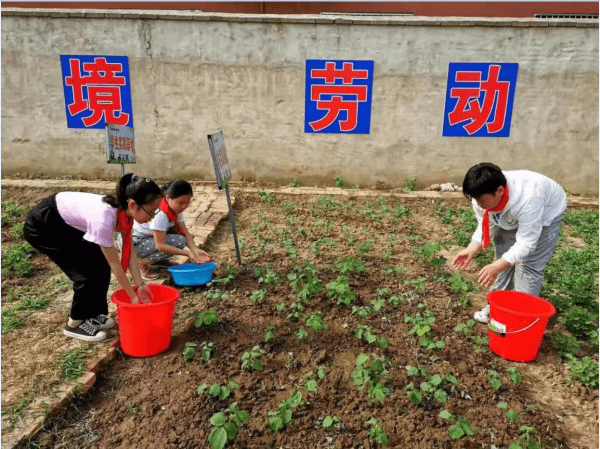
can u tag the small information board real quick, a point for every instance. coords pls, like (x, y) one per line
(120, 144)
(218, 152)
(216, 142)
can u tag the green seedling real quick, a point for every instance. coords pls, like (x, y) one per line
(459, 430)
(467, 327)
(411, 185)
(428, 251)
(515, 375)
(206, 318)
(215, 293)
(512, 416)
(265, 196)
(401, 212)
(330, 421)
(339, 290)
(459, 284)
(377, 432)
(296, 313)
(251, 360)
(495, 380)
(226, 427)
(365, 331)
(302, 333)
(525, 441)
(206, 351)
(420, 283)
(294, 183)
(269, 334)
(315, 322)
(373, 375)
(323, 241)
(431, 388)
(215, 390)
(339, 182)
(350, 264)
(283, 415)
(288, 208)
(189, 350)
(584, 370)
(365, 247)
(258, 295)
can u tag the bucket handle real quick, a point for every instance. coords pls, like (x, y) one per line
(497, 331)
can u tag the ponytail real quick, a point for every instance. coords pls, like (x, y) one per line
(131, 187)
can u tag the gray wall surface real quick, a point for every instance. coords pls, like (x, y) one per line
(193, 74)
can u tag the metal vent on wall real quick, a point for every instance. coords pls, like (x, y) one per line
(367, 14)
(565, 16)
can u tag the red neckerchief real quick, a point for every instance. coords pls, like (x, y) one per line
(164, 206)
(125, 225)
(485, 225)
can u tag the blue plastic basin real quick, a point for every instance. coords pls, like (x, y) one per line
(192, 273)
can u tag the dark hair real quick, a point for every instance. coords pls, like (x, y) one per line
(131, 187)
(177, 188)
(481, 179)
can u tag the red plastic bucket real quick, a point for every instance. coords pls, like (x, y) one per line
(517, 324)
(145, 329)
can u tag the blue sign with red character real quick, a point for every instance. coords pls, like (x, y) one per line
(479, 99)
(97, 91)
(338, 96)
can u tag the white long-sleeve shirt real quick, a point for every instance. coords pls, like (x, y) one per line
(534, 202)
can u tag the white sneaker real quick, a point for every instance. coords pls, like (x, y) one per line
(103, 322)
(483, 316)
(85, 331)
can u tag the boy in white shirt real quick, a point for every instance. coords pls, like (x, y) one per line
(522, 211)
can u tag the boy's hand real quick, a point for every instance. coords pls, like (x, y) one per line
(463, 258)
(489, 273)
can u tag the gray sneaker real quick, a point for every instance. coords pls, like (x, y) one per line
(85, 331)
(103, 322)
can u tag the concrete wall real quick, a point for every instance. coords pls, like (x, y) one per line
(193, 74)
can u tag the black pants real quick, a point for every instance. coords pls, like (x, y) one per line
(82, 261)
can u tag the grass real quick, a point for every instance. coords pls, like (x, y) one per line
(12, 318)
(70, 365)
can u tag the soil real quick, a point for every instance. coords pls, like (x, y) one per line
(153, 402)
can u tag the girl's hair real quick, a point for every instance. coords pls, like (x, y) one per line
(481, 179)
(177, 188)
(131, 187)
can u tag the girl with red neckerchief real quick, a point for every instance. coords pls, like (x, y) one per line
(522, 212)
(166, 235)
(75, 230)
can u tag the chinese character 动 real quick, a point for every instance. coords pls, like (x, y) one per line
(469, 107)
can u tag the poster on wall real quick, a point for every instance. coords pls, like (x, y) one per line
(338, 96)
(120, 144)
(479, 99)
(97, 90)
